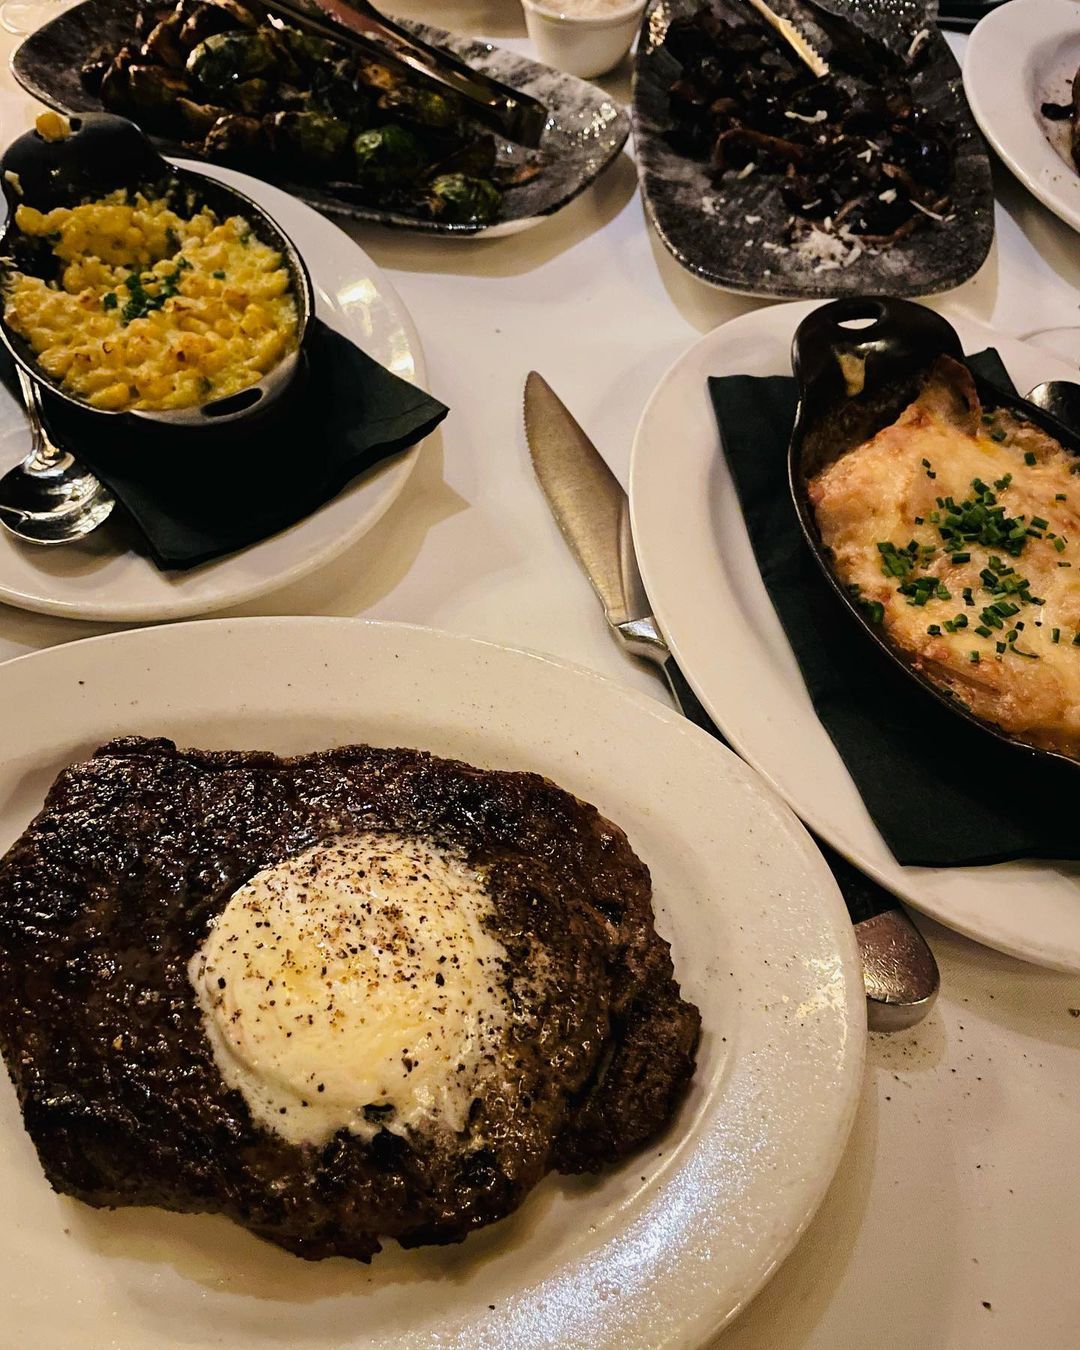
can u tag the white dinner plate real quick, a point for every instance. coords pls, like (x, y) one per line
(706, 591)
(659, 1252)
(98, 580)
(1020, 56)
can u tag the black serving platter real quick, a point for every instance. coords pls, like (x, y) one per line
(584, 133)
(885, 359)
(718, 229)
(104, 153)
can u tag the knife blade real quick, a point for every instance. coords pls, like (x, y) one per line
(593, 512)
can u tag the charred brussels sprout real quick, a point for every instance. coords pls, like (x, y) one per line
(462, 200)
(251, 96)
(228, 58)
(309, 142)
(388, 157)
(424, 107)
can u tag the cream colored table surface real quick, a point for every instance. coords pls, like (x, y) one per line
(954, 1220)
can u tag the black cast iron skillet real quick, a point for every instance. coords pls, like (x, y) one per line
(104, 153)
(858, 363)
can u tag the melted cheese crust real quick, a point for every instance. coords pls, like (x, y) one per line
(875, 494)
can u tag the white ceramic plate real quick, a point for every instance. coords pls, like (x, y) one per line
(97, 580)
(660, 1252)
(1020, 56)
(707, 593)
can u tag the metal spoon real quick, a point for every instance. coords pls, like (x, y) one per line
(49, 498)
(1061, 399)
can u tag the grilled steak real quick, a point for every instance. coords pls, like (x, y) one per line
(111, 889)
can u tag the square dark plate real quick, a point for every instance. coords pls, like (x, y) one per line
(705, 225)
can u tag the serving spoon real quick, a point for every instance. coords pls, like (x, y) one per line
(49, 498)
(1061, 399)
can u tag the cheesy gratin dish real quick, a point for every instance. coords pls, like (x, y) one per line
(152, 309)
(956, 528)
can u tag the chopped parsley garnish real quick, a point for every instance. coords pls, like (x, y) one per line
(142, 301)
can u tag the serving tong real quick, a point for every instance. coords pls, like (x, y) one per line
(358, 25)
(866, 53)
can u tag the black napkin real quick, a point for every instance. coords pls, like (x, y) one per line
(940, 793)
(196, 496)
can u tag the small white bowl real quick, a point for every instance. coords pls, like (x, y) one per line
(582, 45)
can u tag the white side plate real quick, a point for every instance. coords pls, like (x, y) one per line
(1022, 55)
(659, 1252)
(708, 595)
(96, 580)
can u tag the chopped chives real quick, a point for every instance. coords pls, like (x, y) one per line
(1055, 634)
(1029, 457)
(1061, 497)
(934, 630)
(1060, 543)
(960, 557)
(983, 631)
(1039, 523)
(973, 657)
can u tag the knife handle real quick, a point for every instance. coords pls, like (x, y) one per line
(899, 971)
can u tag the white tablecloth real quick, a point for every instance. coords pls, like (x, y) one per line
(954, 1220)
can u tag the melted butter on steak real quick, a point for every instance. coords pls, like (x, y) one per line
(357, 986)
(138, 851)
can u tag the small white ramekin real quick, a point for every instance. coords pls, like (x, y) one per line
(581, 45)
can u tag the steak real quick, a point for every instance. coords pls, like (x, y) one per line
(111, 889)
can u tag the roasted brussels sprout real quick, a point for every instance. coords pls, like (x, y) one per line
(196, 119)
(388, 157)
(217, 16)
(229, 58)
(251, 96)
(335, 90)
(163, 44)
(236, 140)
(307, 50)
(462, 200)
(424, 107)
(152, 90)
(309, 142)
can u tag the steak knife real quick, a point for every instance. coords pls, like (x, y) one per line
(593, 512)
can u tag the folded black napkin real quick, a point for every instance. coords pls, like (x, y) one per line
(940, 793)
(196, 496)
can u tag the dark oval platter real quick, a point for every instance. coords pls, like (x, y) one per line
(719, 229)
(894, 344)
(585, 130)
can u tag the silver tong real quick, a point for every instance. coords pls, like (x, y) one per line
(358, 25)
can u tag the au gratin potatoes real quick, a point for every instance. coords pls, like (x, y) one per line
(154, 306)
(958, 529)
